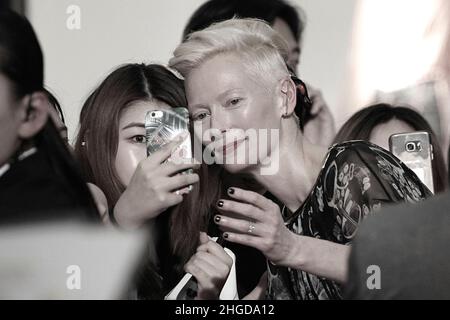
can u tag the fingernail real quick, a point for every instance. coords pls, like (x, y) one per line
(217, 219)
(220, 204)
(231, 191)
(213, 154)
(225, 236)
(213, 138)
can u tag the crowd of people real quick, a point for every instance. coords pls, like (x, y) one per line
(294, 231)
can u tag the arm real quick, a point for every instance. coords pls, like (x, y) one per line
(319, 257)
(210, 265)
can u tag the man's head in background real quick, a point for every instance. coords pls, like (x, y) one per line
(286, 19)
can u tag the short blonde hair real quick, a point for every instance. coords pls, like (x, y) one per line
(262, 50)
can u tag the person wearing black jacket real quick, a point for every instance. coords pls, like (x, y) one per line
(402, 254)
(39, 179)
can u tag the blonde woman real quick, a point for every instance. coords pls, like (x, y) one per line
(236, 83)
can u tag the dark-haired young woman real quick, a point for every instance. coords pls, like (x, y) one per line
(141, 191)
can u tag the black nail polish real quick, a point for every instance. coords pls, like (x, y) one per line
(217, 219)
(213, 154)
(213, 139)
(220, 204)
(225, 235)
(231, 191)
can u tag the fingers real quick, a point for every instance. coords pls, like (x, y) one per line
(248, 211)
(317, 100)
(204, 239)
(169, 169)
(238, 225)
(179, 181)
(204, 280)
(166, 151)
(217, 251)
(204, 262)
(317, 106)
(211, 273)
(244, 239)
(212, 265)
(172, 199)
(250, 197)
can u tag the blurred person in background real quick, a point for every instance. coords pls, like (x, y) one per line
(57, 116)
(379, 122)
(39, 179)
(402, 254)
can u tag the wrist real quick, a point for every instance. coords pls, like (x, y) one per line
(122, 215)
(295, 254)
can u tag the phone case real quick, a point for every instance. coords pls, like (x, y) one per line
(162, 127)
(416, 151)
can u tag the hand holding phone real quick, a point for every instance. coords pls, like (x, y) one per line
(162, 127)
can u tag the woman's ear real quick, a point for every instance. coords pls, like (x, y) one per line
(289, 93)
(35, 115)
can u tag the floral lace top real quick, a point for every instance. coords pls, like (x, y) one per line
(357, 179)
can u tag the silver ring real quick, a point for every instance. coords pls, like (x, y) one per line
(251, 228)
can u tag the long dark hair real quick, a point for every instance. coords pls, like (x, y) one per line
(22, 62)
(96, 148)
(362, 123)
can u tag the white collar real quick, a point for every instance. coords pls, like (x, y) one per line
(4, 168)
(21, 157)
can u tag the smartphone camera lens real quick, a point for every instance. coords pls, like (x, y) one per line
(411, 147)
(153, 114)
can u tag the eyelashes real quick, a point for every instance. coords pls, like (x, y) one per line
(200, 116)
(138, 139)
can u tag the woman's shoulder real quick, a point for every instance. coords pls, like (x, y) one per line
(356, 145)
(360, 150)
(370, 161)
